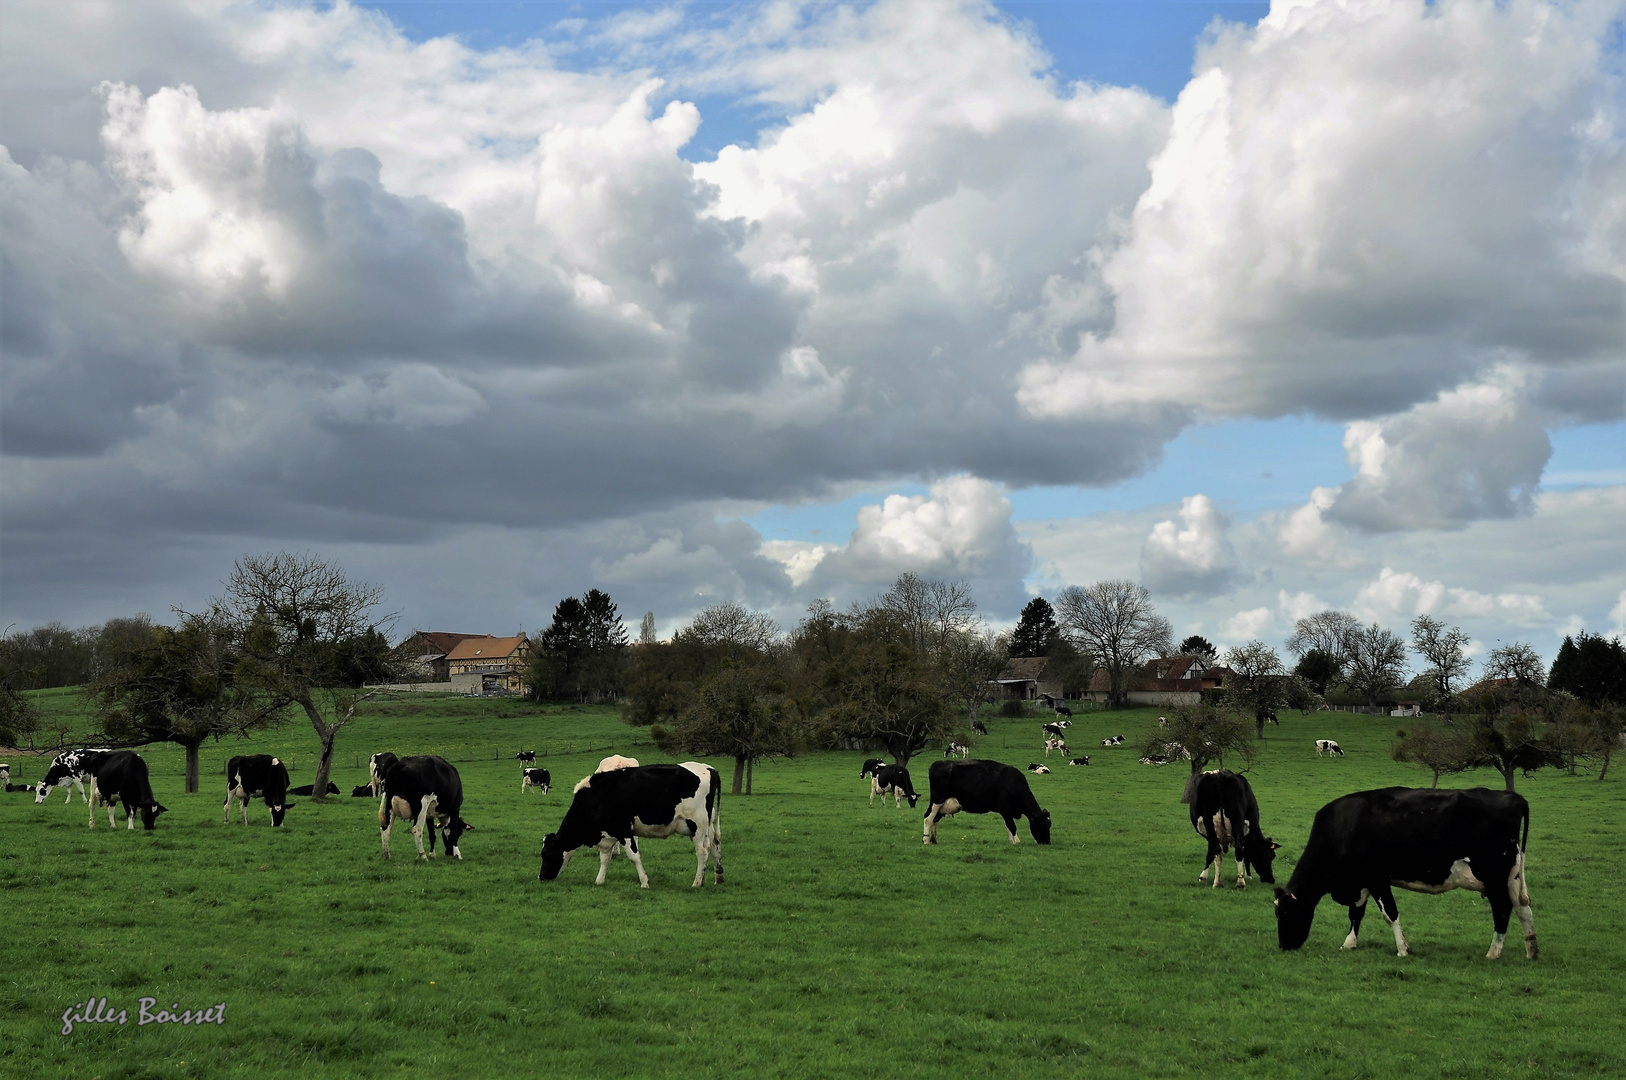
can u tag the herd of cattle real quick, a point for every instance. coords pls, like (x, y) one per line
(1360, 846)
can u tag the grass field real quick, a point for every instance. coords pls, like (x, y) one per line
(838, 946)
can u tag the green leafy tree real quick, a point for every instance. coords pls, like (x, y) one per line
(884, 693)
(310, 637)
(1197, 645)
(1591, 667)
(1208, 733)
(581, 655)
(1319, 669)
(19, 717)
(1441, 749)
(740, 712)
(1036, 632)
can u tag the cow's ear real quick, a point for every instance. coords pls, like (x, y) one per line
(159, 808)
(1274, 846)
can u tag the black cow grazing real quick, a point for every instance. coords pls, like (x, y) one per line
(893, 780)
(984, 787)
(1420, 839)
(1037, 769)
(67, 770)
(979, 727)
(1062, 710)
(253, 776)
(1269, 718)
(871, 767)
(1226, 814)
(537, 778)
(956, 749)
(423, 790)
(1327, 746)
(310, 789)
(656, 801)
(120, 776)
(1085, 760)
(527, 756)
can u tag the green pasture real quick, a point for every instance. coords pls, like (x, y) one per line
(838, 946)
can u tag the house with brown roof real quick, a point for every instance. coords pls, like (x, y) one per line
(490, 665)
(1165, 680)
(424, 654)
(1024, 678)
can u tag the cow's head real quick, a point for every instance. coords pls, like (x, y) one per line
(149, 814)
(453, 831)
(1260, 854)
(1293, 919)
(1039, 826)
(554, 856)
(58, 773)
(913, 798)
(277, 814)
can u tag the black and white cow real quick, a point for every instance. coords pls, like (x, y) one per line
(871, 767)
(1056, 745)
(956, 749)
(654, 801)
(1038, 769)
(527, 756)
(120, 776)
(1225, 813)
(5, 774)
(1062, 710)
(310, 789)
(983, 787)
(1421, 839)
(1116, 740)
(979, 727)
(1163, 722)
(893, 780)
(1085, 760)
(377, 765)
(1056, 730)
(424, 790)
(537, 778)
(254, 776)
(67, 770)
(1327, 746)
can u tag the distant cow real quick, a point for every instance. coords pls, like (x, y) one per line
(979, 727)
(255, 776)
(1268, 718)
(1062, 710)
(1226, 814)
(1116, 740)
(956, 749)
(1085, 760)
(120, 776)
(1038, 769)
(527, 756)
(1056, 745)
(893, 780)
(1421, 839)
(537, 778)
(307, 789)
(984, 787)
(619, 806)
(1327, 746)
(1154, 759)
(426, 791)
(5, 774)
(871, 767)
(1163, 721)
(67, 770)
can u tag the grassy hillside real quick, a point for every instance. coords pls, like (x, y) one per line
(838, 945)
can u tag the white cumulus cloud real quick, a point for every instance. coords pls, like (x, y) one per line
(1194, 558)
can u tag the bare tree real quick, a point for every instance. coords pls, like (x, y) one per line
(1259, 685)
(732, 630)
(931, 612)
(1328, 632)
(1115, 622)
(1517, 662)
(970, 663)
(1376, 662)
(1442, 648)
(646, 630)
(310, 637)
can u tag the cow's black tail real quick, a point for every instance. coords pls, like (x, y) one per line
(1525, 843)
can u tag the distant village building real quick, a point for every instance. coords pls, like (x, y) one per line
(1024, 679)
(1165, 681)
(490, 665)
(423, 656)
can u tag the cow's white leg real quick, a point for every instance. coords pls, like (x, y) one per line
(1351, 940)
(386, 822)
(702, 844)
(243, 806)
(637, 861)
(716, 831)
(1219, 866)
(424, 814)
(1496, 947)
(94, 794)
(1401, 948)
(930, 835)
(225, 809)
(1516, 887)
(605, 854)
(1241, 870)
(129, 817)
(873, 788)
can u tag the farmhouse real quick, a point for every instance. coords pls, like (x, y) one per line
(1025, 678)
(489, 665)
(424, 654)
(1166, 680)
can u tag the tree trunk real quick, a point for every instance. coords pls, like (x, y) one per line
(739, 773)
(1436, 782)
(191, 768)
(324, 763)
(1259, 723)
(750, 767)
(1507, 775)
(1607, 754)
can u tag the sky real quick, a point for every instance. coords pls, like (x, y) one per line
(1272, 308)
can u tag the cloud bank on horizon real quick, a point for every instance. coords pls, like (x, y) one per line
(277, 275)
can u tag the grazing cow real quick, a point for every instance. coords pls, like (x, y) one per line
(1085, 760)
(310, 789)
(537, 778)
(67, 770)
(1269, 718)
(527, 756)
(871, 767)
(1225, 813)
(1116, 740)
(1062, 710)
(893, 779)
(1056, 745)
(423, 790)
(956, 749)
(1327, 746)
(657, 801)
(984, 787)
(253, 776)
(1421, 839)
(1038, 769)
(120, 776)
(979, 727)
